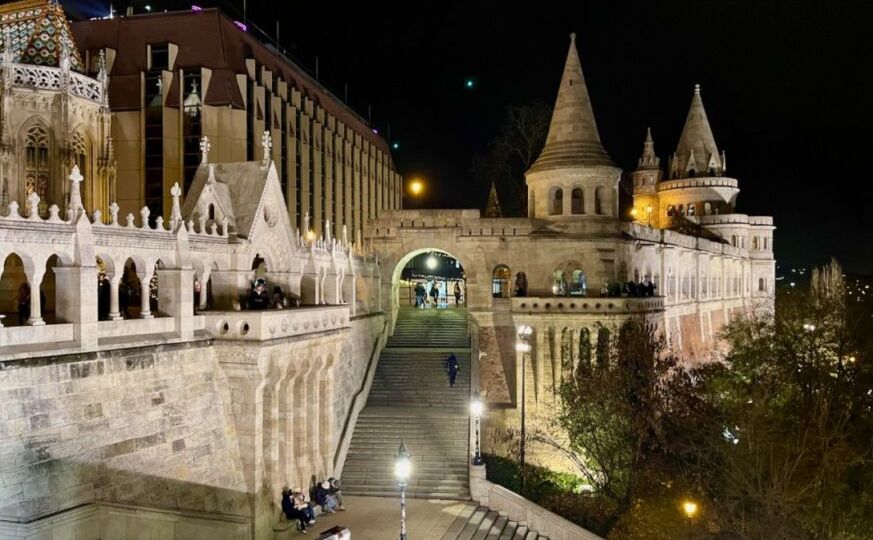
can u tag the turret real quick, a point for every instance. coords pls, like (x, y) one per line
(696, 184)
(573, 176)
(646, 179)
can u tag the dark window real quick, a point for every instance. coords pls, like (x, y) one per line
(191, 125)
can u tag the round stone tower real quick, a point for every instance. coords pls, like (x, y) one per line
(573, 177)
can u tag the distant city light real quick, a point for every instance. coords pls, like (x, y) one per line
(395, 145)
(196, 8)
(148, 7)
(241, 26)
(469, 84)
(376, 131)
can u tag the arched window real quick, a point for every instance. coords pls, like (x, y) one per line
(559, 284)
(211, 212)
(762, 285)
(557, 204)
(600, 204)
(766, 243)
(707, 209)
(578, 283)
(578, 202)
(531, 203)
(755, 242)
(36, 165)
(690, 209)
(681, 209)
(500, 278)
(734, 240)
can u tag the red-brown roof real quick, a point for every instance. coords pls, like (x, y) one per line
(206, 38)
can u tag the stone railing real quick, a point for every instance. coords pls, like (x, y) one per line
(52, 78)
(273, 324)
(585, 305)
(519, 509)
(700, 182)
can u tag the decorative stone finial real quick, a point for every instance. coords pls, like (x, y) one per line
(572, 37)
(267, 143)
(176, 213)
(98, 217)
(113, 212)
(224, 224)
(306, 223)
(75, 195)
(33, 205)
(144, 214)
(345, 235)
(696, 88)
(204, 149)
(327, 230)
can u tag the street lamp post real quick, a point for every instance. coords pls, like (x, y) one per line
(476, 408)
(523, 346)
(690, 508)
(402, 470)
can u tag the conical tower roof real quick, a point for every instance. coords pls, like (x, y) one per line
(697, 141)
(492, 209)
(573, 140)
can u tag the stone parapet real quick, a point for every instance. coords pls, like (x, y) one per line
(274, 324)
(585, 305)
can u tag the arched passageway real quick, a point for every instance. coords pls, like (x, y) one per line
(429, 279)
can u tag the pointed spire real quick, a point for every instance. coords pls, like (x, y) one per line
(573, 139)
(697, 144)
(649, 160)
(492, 209)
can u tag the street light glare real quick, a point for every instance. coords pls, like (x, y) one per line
(416, 187)
(476, 407)
(402, 468)
(690, 508)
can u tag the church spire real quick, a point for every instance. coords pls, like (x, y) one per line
(492, 209)
(649, 160)
(697, 154)
(573, 139)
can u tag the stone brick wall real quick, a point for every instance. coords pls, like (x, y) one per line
(352, 367)
(143, 426)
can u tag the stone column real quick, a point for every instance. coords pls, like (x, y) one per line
(76, 301)
(204, 289)
(114, 310)
(175, 298)
(35, 279)
(145, 280)
(539, 357)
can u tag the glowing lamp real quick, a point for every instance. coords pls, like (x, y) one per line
(689, 508)
(431, 262)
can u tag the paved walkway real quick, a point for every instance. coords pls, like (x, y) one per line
(378, 518)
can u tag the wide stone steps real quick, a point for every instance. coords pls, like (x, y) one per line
(480, 523)
(410, 400)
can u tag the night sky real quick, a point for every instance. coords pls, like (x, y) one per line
(786, 87)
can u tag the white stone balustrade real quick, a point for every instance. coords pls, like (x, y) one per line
(51, 78)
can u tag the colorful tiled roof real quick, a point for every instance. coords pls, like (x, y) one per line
(38, 31)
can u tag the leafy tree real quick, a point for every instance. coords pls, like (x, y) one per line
(625, 425)
(794, 397)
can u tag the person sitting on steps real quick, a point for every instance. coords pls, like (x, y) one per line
(292, 512)
(303, 506)
(336, 491)
(324, 499)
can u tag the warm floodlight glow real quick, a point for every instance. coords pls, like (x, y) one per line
(524, 331)
(416, 187)
(633, 213)
(476, 407)
(310, 235)
(690, 508)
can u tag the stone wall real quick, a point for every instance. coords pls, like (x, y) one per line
(352, 367)
(141, 426)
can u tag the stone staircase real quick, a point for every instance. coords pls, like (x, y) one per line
(480, 523)
(411, 400)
